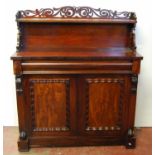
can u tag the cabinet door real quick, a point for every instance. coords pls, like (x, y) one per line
(103, 105)
(50, 105)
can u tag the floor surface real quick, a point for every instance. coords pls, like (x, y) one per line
(144, 146)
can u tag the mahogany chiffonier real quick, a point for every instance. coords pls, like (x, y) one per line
(76, 74)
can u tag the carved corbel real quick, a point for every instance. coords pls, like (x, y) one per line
(19, 88)
(134, 81)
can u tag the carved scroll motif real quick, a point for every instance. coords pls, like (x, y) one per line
(79, 12)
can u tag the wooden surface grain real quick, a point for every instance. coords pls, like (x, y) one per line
(76, 78)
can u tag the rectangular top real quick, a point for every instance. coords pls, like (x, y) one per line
(111, 54)
(74, 20)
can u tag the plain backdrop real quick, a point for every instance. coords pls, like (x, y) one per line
(8, 35)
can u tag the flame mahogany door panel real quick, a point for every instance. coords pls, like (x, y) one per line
(103, 105)
(51, 105)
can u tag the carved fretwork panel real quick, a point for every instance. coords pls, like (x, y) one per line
(75, 12)
(103, 104)
(50, 104)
